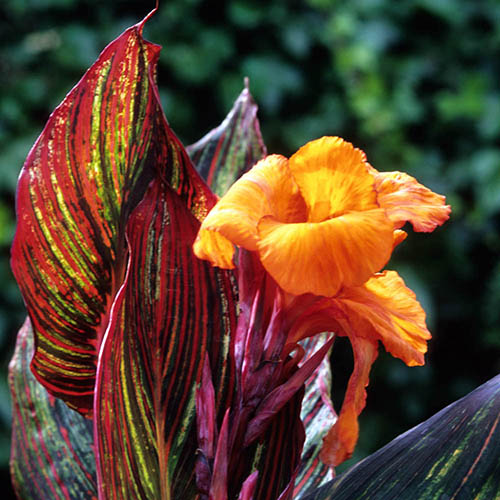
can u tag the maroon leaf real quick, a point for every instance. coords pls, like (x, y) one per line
(218, 489)
(248, 487)
(206, 413)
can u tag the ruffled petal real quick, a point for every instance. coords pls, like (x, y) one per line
(341, 439)
(320, 258)
(333, 178)
(267, 189)
(212, 246)
(405, 199)
(385, 309)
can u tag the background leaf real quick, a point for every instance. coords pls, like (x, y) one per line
(452, 455)
(52, 454)
(229, 150)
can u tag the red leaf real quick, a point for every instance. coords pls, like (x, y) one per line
(218, 489)
(248, 488)
(206, 413)
(83, 177)
(172, 311)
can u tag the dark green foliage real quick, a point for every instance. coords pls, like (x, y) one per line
(454, 454)
(415, 84)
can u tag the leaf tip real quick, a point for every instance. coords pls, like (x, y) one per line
(140, 26)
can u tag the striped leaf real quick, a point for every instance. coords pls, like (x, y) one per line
(276, 455)
(318, 416)
(52, 452)
(454, 455)
(229, 150)
(83, 177)
(172, 309)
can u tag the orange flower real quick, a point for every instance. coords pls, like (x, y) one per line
(325, 222)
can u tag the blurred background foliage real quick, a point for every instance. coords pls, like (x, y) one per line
(414, 83)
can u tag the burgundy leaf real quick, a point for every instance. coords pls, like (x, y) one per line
(172, 311)
(218, 489)
(248, 487)
(274, 401)
(206, 413)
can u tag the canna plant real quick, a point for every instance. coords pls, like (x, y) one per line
(182, 303)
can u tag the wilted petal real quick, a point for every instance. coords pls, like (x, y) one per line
(333, 178)
(340, 441)
(385, 309)
(320, 258)
(405, 199)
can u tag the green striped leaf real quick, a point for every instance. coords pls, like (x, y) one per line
(229, 150)
(52, 452)
(318, 416)
(172, 310)
(454, 455)
(83, 177)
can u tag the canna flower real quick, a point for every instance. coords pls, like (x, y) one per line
(325, 222)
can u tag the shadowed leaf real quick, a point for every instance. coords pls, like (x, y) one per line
(452, 455)
(229, 150)
(52, 452)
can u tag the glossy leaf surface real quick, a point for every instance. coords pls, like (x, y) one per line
(171, 311)
(229, 150)
(52, 453)
(452, 455)
(85, 174)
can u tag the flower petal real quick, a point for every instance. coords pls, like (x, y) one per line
(212, 246)
(333, 178)
(320, 258)
(385, 309)
(267, 189)
(341, 439)
(405, 199)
